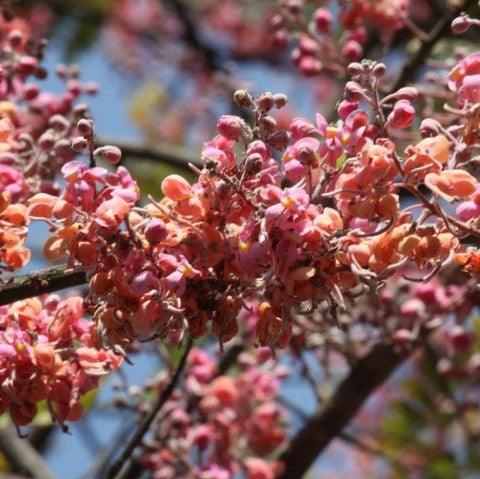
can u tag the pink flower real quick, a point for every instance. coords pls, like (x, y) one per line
(259, 469)
(230, 126)
(465, 80)
(402, 115)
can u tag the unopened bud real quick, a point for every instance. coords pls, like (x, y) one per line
(230, 126)
(379, 70)
(353, 91)
(15, 38)
(429, 127)
(85, 127)
(461, 24)
(109, 153)
(243, 98)
(46, 141)
(409, 93)
(352, 50)
(355, 69)
(79, 144)
(155, 231)
(323, 20)
(59, 122)
(280, 100)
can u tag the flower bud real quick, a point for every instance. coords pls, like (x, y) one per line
(230, 126)
(403, 336)
(46, 140)
(461, 24)
(243, 98)
(409, 93)
(323, 20)
(402, 115)
(279, 140)
(27, 65)
(265, 101)
(15, 38)
(379, 70)
(85, 127)
(59, 122)
(156, 231)
(355, 69)
(30, 91)
(301, 128)
(429, 127)
(459, 339)
(79, 144)
(91, 88)
(280, 100)
(352, 50)
(310, 66)
(353, 91)
(109, 153)
(308, 46)
(345, 108)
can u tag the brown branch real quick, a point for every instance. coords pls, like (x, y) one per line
(330, 420)
(160, 153)
(40, 282)
(21, 456)
(440, 30)
(116, 469)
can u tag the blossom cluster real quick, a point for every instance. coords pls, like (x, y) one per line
(49, 352)
(319, 48)
(35, 132)
(321, 227)
(222, 425)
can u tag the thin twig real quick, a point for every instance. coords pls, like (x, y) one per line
(115, 470)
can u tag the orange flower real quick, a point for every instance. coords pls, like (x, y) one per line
(451, 184)
(427, 157)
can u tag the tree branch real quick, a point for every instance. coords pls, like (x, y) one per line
(21, 456)
(160, 153)
(441, 29)
(330, 420)
(40, 282)
(116, 469)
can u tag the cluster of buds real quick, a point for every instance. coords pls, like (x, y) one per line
(226, 424)
(319, 48)
(48, 352)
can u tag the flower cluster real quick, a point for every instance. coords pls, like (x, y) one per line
(48, 352)
(36, 129)
(13, 231)
(322, 227)
(224, 424)
(319, 49)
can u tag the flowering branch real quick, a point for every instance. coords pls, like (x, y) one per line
(115, 470)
